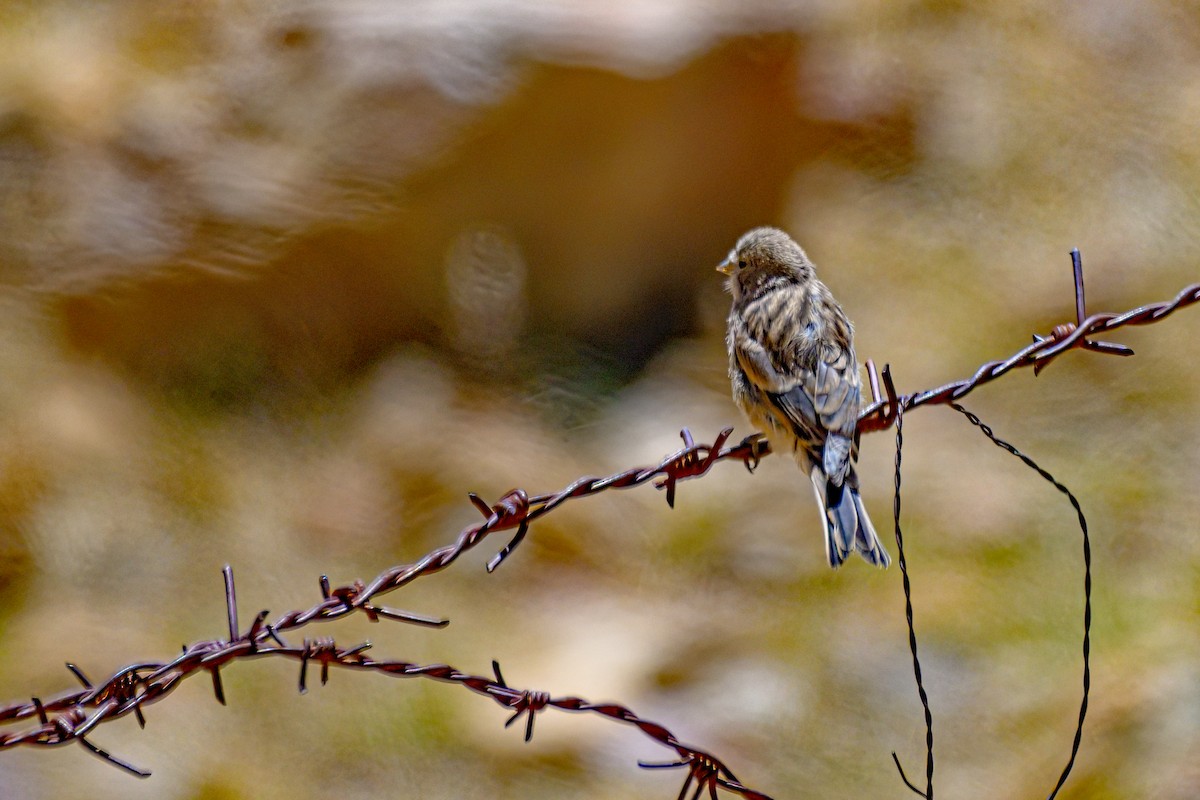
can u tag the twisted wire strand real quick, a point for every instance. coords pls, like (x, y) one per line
(1087, 582)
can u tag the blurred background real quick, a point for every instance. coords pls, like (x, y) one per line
(282, 282)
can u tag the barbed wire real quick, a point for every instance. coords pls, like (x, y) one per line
(879, 415)
(139, 685)
(66, 718)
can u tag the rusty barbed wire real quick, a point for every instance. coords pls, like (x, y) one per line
(65, 718)
(139, 685)
(1070, 335)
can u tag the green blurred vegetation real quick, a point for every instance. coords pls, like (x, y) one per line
(283, 282)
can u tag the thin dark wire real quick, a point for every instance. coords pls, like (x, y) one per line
(912, 634)
(1087, 584)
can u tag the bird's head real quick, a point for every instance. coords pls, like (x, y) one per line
(763, 259)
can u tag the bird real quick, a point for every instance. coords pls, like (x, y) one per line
(794, 376)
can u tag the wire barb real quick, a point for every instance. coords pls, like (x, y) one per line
(527, 702)
(324, 650)
(119, 763)
(513, 509)
(885, 408)
(231, 603)
(706, 771)
(73, 725)
(1061, 332)
(690, 462)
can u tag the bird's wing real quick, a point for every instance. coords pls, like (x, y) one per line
(836, 390)
(822, 409)
(798, 412)
(754, 361)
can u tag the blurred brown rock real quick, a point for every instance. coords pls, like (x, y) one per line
(279, 192)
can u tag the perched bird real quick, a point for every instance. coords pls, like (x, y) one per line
(794, 376)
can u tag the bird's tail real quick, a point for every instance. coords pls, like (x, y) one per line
(847, 526)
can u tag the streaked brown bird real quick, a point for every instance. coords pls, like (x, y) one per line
(794, 376)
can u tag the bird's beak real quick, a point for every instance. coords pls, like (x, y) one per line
(726, 266)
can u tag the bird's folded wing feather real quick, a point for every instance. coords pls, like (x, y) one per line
(796, 408)
(835, 390)
(822, 408)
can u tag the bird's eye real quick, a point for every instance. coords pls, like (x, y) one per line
(741, 264)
